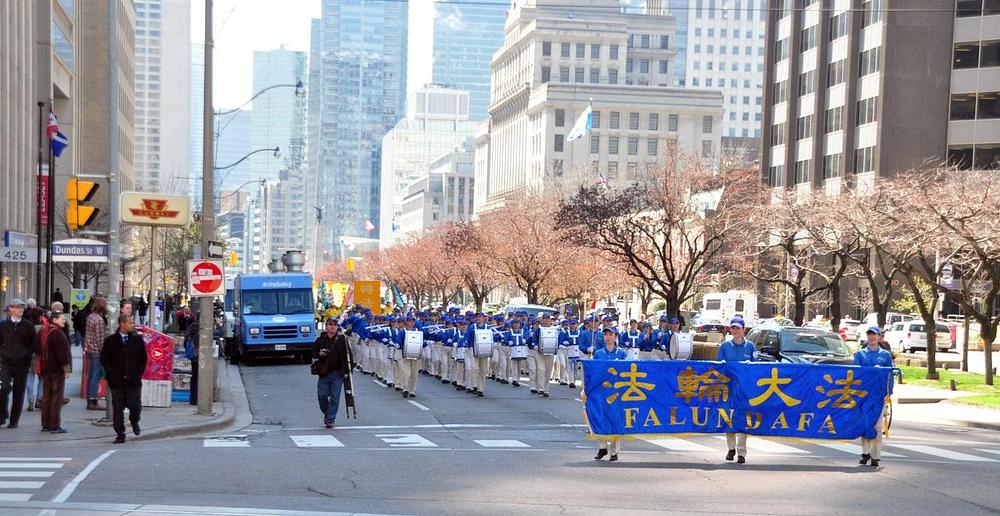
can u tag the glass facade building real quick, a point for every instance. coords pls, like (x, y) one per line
(466, 34)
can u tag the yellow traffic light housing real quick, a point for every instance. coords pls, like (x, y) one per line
(78, 215)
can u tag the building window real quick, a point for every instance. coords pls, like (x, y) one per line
(706, 124)
(633, 121)
(808, 39)
(564, 74)
(780, 93)
(803, 171)
(835, 72)
(613, 145)
(778, 134)
(831, 166)
(560, 118)
(864, 160)
(633, 167)
(546, 74)
(613, 76)
(595, 51)
(546, 48)
(613, 51)
(663, 66)
(963, 107)
(595, 144)
(869, 62)
(644, 41)
(628, 66)
(776, 176)
(595, 119)
(786, 8)
(706, 148)
(746, 116)
(838, 26)
(565, 50)
(966, 55)
(578, 74)
(558, 146)
(867, 110)
(672, 123)
(834, 119)
(633, 146)
(557, 167)
(694, 81)
(871, 12)
(612, 170)
(664, 42)
(988, 105)
(614, 120)
(654, 121)
(644, 66)
(807, 82)
(651, 145)
(595, 75)
(581, 50)
(781, 50)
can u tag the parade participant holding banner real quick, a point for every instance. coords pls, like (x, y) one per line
(569, 350)
(610, 351)
(542, 357)
(479, 339)
(737, 349)
(872, 355)
(590, 336)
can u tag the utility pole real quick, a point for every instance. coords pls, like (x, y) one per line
(206, 363)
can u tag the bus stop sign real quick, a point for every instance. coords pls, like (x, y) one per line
(205, 278)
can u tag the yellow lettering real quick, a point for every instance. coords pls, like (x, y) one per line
(727, 416)
(780, 422)
(804, 419)
(695, 412)
(673, 417)
(651, 419)
(630, 416)
(828, 425)
(754, 419)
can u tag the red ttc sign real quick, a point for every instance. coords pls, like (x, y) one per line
(205, 278)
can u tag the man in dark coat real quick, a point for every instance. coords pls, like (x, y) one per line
(17, 344)
(123, 356)
(330, 351)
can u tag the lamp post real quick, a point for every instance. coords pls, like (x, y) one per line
(206, 321)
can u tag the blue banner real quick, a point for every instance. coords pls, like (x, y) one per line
(626, 398)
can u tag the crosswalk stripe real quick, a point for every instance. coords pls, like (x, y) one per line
(316, 441)
(30, 465)
(854, 449)
(674, 444)
(940, 452)
(25, 474)
(763, 445)
(20, 484)
(14, 497)
(501, 443)
(34, 459)
(226, 441)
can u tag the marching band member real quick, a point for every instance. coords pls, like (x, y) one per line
(540, 364)
(610, 351)
(647, 344)
(590, 336)
(872, 355)
(569, 340)
(410, 367)
(737, 349)
(502, 352)
(478, 367)
(392, 340)
(515, 337)
(457, 366)
(632, 338)
(661, 339)
(561, 359)
(443, 349)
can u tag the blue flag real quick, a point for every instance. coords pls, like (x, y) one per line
(59, 142)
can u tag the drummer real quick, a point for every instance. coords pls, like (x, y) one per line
(515, 337)
(610, 351)
(409, 368)
(540, 364)
(569, 342)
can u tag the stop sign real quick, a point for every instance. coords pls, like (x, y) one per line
(205, 278)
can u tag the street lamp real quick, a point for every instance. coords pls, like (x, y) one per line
(276, 153)
(300, 91)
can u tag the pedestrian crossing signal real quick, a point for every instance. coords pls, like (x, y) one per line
(78, 214)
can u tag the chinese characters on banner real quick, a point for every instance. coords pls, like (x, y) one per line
(787, 400)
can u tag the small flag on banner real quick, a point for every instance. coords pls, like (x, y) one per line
(582, 125)
(59, 144)
(369, 227)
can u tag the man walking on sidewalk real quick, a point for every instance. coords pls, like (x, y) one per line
(17, 343)
(56, 365)
(123, 356)
(93, 340)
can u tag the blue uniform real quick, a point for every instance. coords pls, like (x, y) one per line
(591, 341)
(729, 351)
(662, 338)
(514, 337)
(630, 339)
(604, 354)
(877, 358)
(570, 338)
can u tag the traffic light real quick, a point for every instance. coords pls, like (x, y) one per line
(79, 191)
(234, 259)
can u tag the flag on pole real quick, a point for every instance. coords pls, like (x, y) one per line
(601, 180)
(59, 143)
(369, 227)
(53, 128)
(582, 125)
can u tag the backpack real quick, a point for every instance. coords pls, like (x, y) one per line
(190, 349)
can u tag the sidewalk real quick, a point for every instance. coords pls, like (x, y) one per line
(157, 423)
(928, 405)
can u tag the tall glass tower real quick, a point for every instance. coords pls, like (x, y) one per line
(466, 34)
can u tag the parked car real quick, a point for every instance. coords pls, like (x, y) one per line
(709, 326)
(909, 335)
(607, 310)
(776, 343)
(849, 330)
(534, 310)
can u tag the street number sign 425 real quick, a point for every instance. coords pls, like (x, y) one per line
(18, 254)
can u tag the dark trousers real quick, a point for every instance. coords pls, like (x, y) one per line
(194, 382)
(328, 390)
(54, 386)
(128, 397)
(13, 381)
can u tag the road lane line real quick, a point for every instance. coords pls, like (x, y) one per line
(73, 484)
(316, 441)
(500, 443)
(766, 446)
(11, 497)
(674, 444)
(941, 452)
(30, 465)
(854, 449)
(415, 404)
(26, 474)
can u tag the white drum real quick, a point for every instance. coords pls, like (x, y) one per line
(518, 352)
(631, 353)
(483, 347)
(549, 340)
(574, 351)
(458, 354)
(681, 346)
(412, 344)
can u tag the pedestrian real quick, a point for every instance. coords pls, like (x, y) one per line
(57, 364)
(737, 349)
(57, 296)
(123, 356)
(191, 352)
(873, 355)
(610, 351)
(332, 356)
(143, 309)
(93, 342)
(17, 344)
(35, 316)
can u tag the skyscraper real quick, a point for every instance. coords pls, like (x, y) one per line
(197, 129)
(362, 83)
(278, 118)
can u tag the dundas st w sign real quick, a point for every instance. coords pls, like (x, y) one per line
(154, 209)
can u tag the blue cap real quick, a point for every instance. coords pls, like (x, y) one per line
(664, 318)
(546, 315)
(574, 321)
(611, 329)
(874, 329)
(675, 320)
(608, 318)
(737, 323)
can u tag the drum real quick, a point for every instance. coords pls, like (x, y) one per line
(518, 352)
(631, 353)
(483, 347)
(412, 344)
(574, 352)
(459, 354)
(681, 346)
(549, 340)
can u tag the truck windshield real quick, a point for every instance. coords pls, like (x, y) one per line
(228, 304)
(274, 302)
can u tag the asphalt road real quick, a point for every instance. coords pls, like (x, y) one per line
(508, 453)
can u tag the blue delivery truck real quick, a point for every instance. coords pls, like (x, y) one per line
(273, 314)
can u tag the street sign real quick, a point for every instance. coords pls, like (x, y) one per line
(205, 278)
(79, 250)
(215, 249)
(20, 254)
(14, 239)
(154, 209)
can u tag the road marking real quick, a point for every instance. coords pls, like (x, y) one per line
(226, 441)
(20, 484)
(30, 465)
(766, 446)
(674, 444)
(316, 441)
(940, 452)
(11, 497)
(26, 474)
(997, 452)
(380, 383)
(405, 441)
(501, 443)
(415, 404)
(854, 449)
(80, 477)
(36, 459)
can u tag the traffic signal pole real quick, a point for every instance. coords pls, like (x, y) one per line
(206, 320)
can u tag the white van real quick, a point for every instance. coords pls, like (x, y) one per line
(724, 306)
(872, 320)
(906, 336)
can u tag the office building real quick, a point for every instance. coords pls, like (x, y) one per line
(232, 143)
(197, 121)
(278, 118)
(974, 119)
(444, 194)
